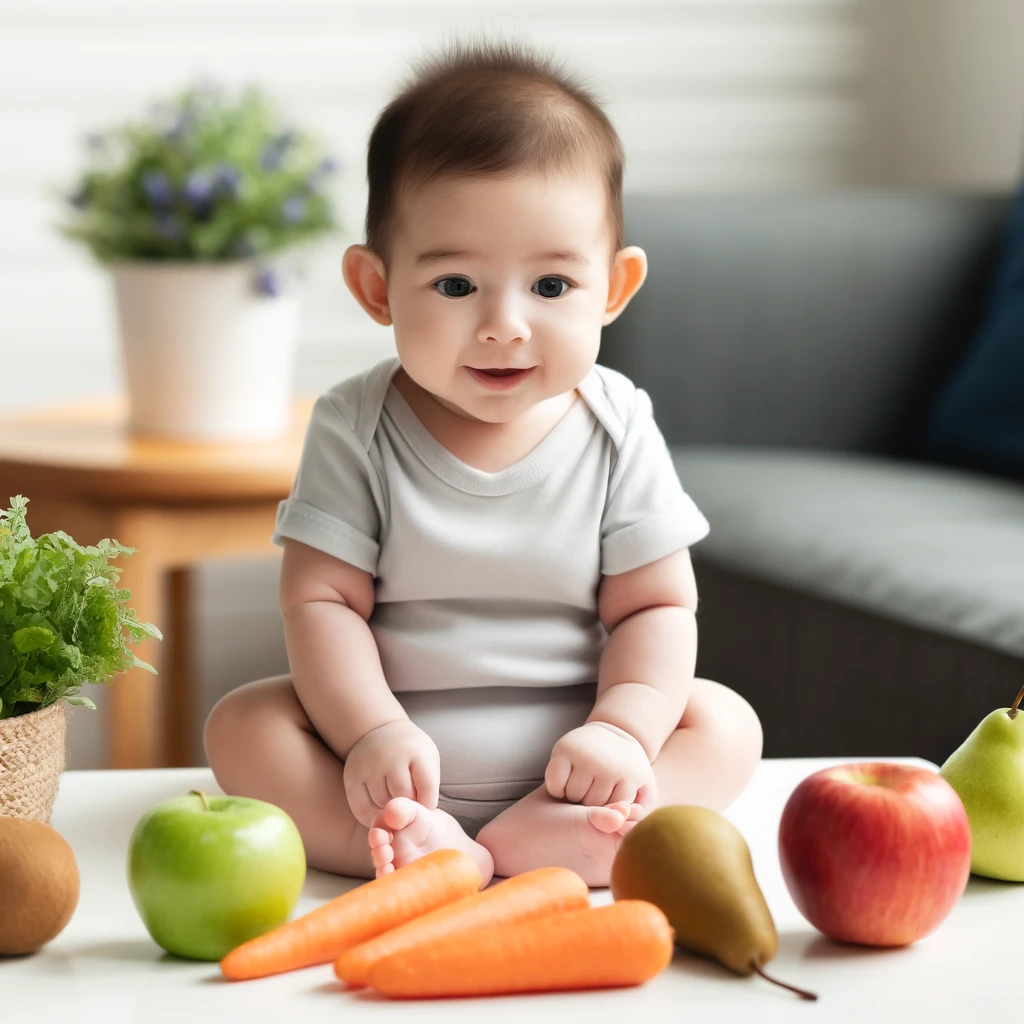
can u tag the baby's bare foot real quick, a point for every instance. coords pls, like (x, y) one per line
(541, 831)
(405, 830)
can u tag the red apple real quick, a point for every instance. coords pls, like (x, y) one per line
(875, 853)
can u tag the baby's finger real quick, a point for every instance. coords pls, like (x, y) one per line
(400, 783)
(647, 796)
(577, 786)
(624, 790)
(556, 775)
(426, 783)
(599, 793)
(378, 789)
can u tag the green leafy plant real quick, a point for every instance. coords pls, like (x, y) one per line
(205, 177)
(63, 619)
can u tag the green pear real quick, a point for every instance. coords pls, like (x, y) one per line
(987, 772)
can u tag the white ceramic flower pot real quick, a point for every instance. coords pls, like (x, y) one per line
(205, 356)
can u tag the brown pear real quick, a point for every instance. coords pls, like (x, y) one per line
(695, 865)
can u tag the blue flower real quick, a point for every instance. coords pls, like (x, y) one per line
(275, 149)
(226, 178)
(271, 157)
(168, 226)
(199, 191)
(267, 282)
(326, 167)
(158, 189)
(293, 210)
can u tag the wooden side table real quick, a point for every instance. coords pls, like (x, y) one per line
(177, 503)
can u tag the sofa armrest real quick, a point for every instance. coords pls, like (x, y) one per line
(818, 319)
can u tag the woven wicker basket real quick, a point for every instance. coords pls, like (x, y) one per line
(32, 757)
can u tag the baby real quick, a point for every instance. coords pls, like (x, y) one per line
(487, 595)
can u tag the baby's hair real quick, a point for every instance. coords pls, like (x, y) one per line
(487, 108)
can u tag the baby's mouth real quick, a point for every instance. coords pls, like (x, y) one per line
(501, 376)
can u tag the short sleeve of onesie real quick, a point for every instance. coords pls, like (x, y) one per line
(332, 506)
(647, 514)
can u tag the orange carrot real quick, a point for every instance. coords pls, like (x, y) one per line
(323, 934)
(624, 943)
(520, 898)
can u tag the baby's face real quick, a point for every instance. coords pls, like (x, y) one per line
(476, 284)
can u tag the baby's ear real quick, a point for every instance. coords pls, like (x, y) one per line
(366, 278)
(628, 273)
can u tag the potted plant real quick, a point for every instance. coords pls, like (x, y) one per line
(192, 209)
(63, 622)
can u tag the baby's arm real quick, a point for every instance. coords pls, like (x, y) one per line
(647, 665)
(337, 675)
(644, 680)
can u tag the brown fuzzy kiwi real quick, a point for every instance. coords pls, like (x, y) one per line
(39, 885)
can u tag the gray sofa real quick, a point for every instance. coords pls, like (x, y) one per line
(865, 602)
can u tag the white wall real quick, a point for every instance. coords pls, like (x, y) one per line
(947, 83)
(706, 94)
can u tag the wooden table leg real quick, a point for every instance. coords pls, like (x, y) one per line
(179, 686)
(134, 739)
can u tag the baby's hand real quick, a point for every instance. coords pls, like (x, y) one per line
(600, 764)
(395, 759)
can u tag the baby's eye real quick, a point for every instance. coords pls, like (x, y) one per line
(463, 287)
(547, 282)
(460, 287)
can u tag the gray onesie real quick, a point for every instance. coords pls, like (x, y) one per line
(486, 584)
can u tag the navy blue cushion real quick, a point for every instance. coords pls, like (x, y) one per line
(977, 419)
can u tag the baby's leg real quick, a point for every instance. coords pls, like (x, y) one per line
(708, 761)
(713, 753)
(260, 743)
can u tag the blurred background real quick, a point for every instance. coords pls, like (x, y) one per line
(709, 96)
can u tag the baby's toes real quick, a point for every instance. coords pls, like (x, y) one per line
(381, 850)
(636, 812)
(379, 837)
(382, 859)
(609, 818)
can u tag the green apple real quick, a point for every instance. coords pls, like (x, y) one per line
(987, 772)
(208, 873)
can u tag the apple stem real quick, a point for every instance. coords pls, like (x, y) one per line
(1013, 711)
(202, 796)
(801, 992)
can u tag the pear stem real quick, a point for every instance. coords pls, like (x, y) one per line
(1013, 711)
(801, 992)
(202, 796)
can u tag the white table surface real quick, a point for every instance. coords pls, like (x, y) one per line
(104, 968)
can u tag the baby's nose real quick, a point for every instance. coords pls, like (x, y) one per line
(503, 323)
